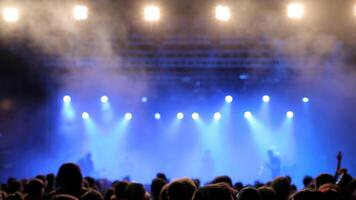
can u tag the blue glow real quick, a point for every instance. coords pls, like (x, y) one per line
(290, 114)
(157, 116)
(104, 99)
(229, 99)
(67, 99)
(248, 115)
(266, 98)
(217, 116)
(85, 115)
(180, 115)
(144, 99)
(128, 116)
(195, 116)
(305, 99)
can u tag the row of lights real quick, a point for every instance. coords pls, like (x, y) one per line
(152, 13)
(195, 116)
(228, 99)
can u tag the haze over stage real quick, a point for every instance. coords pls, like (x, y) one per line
(189, 88)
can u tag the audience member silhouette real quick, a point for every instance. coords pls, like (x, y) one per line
(181, 189)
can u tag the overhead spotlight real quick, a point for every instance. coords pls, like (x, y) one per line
(266, 98)
(152, 13)
(10, 14)
(195, 116)
(67, 99)
(290, 114)
(85, 115)
(128, 116)
(305, 99)
(144, 99)
(157, 116)
(104, 99)
(80, 12)
(248, 115)
(180, 115)
(222, 13)
(295, 10)
(217, 116)
(229, 99)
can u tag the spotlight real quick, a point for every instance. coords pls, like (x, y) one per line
(85, 115)
(295, 10)
(80, 12)
(180, 115)
(152, 13)
(222, 13)
(290, 114)
(305, 99)
(248, 115)
(157, 116)
(229, 99)
(217, 116)
(67, 99)
(195, 116)
(104, 99)
(144, 99)
(266, 98)
(10, 14)
(128, 116)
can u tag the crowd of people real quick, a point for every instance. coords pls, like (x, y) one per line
(69, 184)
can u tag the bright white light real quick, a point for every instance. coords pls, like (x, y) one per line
(266, 98)
(217, 116)
(355, 10)
(144, 99)
(104, 99)
(80, 12)
(67, 99)
(10, 14)
(305, 99)
(152, 13)
(157, 116)
(128, 116)
(180, 115)
(222, 13)
(295, 10)
(85, 115)
(248, 115)
(290, 114)
(229, 99)
(195, 116)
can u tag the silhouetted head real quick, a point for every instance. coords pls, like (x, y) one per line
(267, 193)
(109, 194)
(162, 176)
(330, 191)
(64, 197)
(238, 186)
(135, 191)
(69, 179)
(14, 186)
(222, 179)
(307, 180)
(306, 194)
(156, 186)
(92, 195)
(281, 186)
(181, 189)
(249, 193)
(219, 191)
(120, 189)
(163, 195)
(323, 179)
(35, 187)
